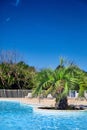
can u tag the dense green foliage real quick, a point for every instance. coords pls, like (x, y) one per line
(16, 76)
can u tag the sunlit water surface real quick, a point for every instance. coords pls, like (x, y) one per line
(16, 116)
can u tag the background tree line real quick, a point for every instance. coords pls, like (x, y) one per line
(14, 73)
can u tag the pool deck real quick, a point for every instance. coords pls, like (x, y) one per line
(44, 101)
(32, 101)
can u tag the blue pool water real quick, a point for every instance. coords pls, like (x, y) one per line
(16, 116)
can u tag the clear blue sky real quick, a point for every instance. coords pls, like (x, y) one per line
(44, 30)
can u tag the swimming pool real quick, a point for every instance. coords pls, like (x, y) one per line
(16, 116)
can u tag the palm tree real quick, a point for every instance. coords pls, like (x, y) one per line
(57, 82)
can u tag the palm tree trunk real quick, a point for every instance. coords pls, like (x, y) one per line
(62, 104)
